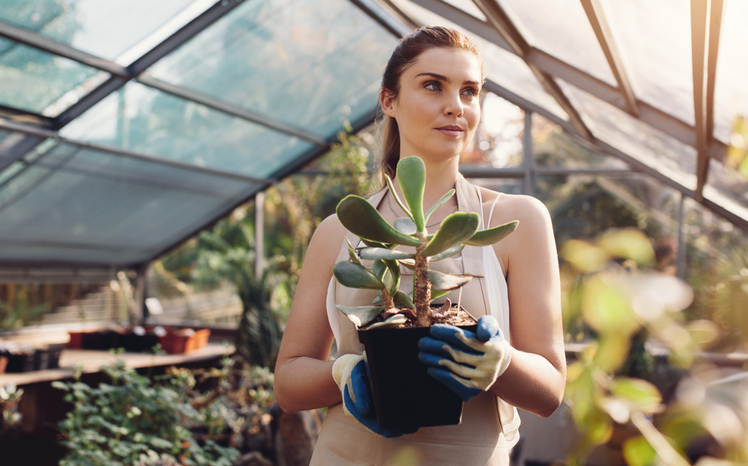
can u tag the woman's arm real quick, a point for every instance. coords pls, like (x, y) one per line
(303, 374)
(536, 376)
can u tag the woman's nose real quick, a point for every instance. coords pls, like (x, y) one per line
(453, 105)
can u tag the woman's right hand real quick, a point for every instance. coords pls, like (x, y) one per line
(351, 374)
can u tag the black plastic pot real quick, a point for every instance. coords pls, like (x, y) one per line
(405, 395)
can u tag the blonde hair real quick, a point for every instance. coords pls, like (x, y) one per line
(407, 51)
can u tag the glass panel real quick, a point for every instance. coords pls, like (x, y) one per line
(555, 148)
(81, 205)
(572, 39)
(583, 206)
(141, 119)
(635, 138)
(32, 80)
(728, 189)
(106, 29)
(498, 139)
(717, 269)
(468, 7)
(654, 39)
(502, 67)
(311, 62)
(731, 93)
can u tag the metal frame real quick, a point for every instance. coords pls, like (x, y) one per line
(599, 24)
(706, 22)
(654, 117)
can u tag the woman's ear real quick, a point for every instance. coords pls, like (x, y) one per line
(387, 101)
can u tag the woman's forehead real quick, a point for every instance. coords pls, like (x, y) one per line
(456, 64)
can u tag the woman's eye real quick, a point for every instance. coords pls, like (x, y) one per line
(431, 86)
(470, 92)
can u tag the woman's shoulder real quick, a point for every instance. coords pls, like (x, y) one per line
(509, 207)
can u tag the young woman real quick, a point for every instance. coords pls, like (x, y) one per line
(430, 99)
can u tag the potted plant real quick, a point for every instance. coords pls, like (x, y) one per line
(391, 326)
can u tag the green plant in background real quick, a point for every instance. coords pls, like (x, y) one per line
(228, 254)
(20, 314)
(134, 420)
(10, 396)
(456, 231)
(737, 152)
(606, 286)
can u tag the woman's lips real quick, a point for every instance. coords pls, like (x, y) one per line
(452, 131)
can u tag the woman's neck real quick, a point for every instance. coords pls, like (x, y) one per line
(440, 178)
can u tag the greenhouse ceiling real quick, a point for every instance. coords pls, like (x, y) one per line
(127, 126)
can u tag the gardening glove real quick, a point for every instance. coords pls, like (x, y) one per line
(468, 363)
(351, 375)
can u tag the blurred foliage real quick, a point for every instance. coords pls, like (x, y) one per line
(610, 284)
(135, 419)
(10, 397)
(737, 151)
(19, 314)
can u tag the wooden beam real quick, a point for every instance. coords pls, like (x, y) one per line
(599, 24)
(706, 19)
(501, 22)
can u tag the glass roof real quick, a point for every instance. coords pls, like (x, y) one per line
(32, 80)
(108, 29)
(126, 126)
(147, 121)
(571, 40)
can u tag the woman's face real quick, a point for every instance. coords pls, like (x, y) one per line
(437, 108)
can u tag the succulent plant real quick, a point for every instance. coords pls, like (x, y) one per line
(382, 240)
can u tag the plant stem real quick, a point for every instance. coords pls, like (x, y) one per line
(421, 285)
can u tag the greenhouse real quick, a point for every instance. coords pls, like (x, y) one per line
(163, 166)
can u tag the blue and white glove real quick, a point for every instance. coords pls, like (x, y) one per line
(467, 363)
(351, 375)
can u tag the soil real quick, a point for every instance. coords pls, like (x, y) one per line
(454, 316)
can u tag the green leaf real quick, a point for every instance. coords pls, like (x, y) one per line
(492, 235)
(411, 174)
(439, 203)
(361, 315)
(637, 392)
(352, 252)
(374, 244)
(409, 264)
(405, 225)
(638, 452)
(394, 321)
(403, 299)
(446, 281)
(356, 276)
(456, 229)
(628, 243)
(448, 252)
(438, 293)
(394, 269)
(397, 198)
(362, 219)
(382, 253)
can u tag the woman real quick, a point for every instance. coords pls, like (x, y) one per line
(430, 99)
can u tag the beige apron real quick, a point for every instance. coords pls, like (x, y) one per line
(489, 425)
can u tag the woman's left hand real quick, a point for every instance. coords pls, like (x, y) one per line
(468, 363)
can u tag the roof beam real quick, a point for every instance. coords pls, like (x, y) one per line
(706, 21)
(599, 24)
(42, 133)
(38, 41)
(501, 22)
(229, 109)
(187, 32)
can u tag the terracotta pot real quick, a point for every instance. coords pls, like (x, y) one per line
(405, 396)
(182, 342)
(3, 364)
